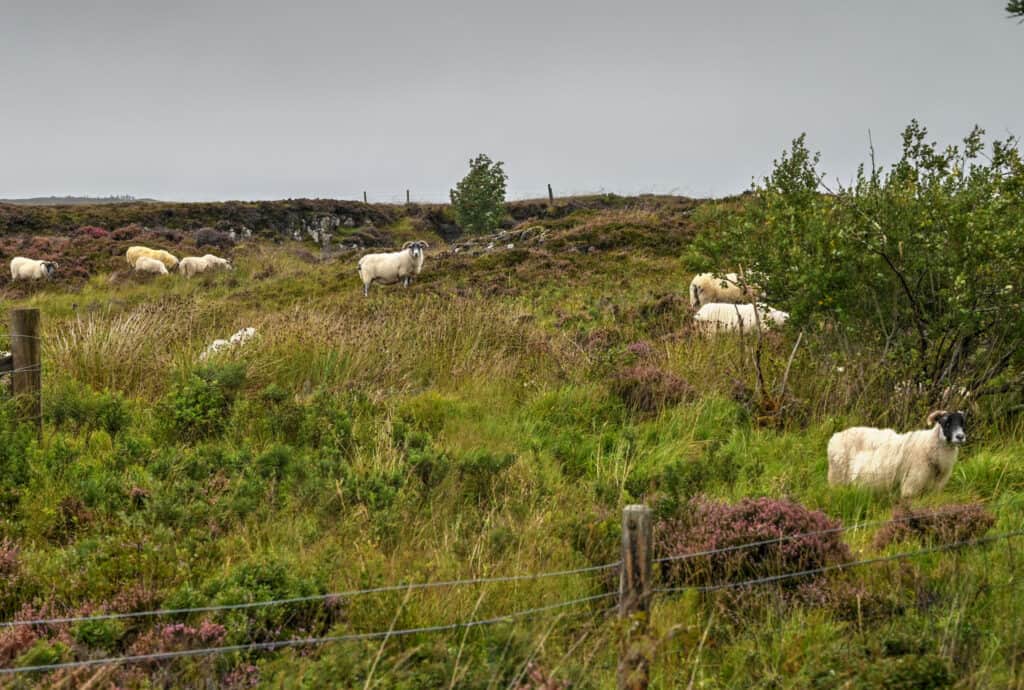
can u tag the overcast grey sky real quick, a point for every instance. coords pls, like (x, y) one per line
(225, 99)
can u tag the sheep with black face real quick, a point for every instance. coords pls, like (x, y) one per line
(391, 267)
(32, 269)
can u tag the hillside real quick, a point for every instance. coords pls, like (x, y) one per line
(492, 419)
(74, 201)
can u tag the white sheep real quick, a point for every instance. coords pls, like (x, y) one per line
(166, 258)
(728, 288)
(846, 443)
(147, 264)
(391, 267)
(915, 461)
(32, 269)
(240, 338)
(191, 265)
(716, 316)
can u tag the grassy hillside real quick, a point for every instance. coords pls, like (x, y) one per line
(492, 419)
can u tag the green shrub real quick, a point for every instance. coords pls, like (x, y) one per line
(78, 406)
(102, 634)
(43, 653)
(200, 406)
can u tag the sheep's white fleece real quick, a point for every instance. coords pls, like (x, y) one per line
(917, 462)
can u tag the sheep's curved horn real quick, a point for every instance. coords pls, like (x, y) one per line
(934, 416)
(407, 245)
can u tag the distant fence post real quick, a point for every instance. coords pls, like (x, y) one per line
(635, 596)
(364, 197)
(407, 196)
(551, 195)
(26, 378)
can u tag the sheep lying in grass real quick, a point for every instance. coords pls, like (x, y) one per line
(237, 340)
(916, 461)
(166, 258)
(390, 267)
(32, 269)
(191, 265)
(147, 264)
(705, 288)
(716, 316)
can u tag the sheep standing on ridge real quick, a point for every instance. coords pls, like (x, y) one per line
(716, 316)
(392, 267)
(166, 258)
(705, 288)
(147, 264)
(32, 269)
(916, 461)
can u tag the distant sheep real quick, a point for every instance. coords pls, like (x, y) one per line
(729, 288)
(191, 265)
(915, 461)
(716, 316)
(32, 269)
(166, 258)
(147, 264)
(239, 339)
(392, 267)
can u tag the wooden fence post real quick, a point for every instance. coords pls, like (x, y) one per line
(364, 197)
(551, 195)
(27, 379)
(635, 596)
(407, 196)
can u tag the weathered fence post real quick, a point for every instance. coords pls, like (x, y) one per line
(635, 596)
(364, 197)
(407, 196)
(551, 195)
(26, 378)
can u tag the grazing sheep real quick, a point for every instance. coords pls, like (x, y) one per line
(705, 288)
(191, 265)
(916, 461)
(217, 262)
(391, 267)
(166, 258)
(147, 264)
(716, 316)
(846, 443)
(32, 269)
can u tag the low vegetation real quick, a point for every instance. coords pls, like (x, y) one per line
(493, 419)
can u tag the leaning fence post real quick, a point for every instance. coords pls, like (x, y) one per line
(635, 596)
(26, 378)
(551, 195)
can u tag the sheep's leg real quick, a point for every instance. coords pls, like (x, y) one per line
(405, 281)
(366, 289)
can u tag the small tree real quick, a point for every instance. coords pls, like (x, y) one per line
(1015, 8)
(478, 199)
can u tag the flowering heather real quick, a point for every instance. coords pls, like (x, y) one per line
(649, 389)
(539, 679)
(93, 231)
(945, 525)
(705, 525)
(640, 348)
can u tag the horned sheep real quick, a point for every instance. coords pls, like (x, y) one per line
(717, 316)
(729, 288)
(166, 258)
(915, 461)
(32, 269)
(391, 267)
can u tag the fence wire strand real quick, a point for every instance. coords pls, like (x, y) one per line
(311, 598)
(305, 641)
(840, 566)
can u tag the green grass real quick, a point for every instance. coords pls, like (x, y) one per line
(462, 427)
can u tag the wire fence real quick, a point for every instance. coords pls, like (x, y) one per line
(408, 587)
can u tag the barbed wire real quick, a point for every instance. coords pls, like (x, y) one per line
(21, 335)
(311, 598)
(816, 533)
(305, 641)
(839, 566)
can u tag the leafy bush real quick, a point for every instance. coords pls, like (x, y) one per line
(922, 259)
(480, 469)
(946, 525)
(43, 653)
(102, 634)
(201, 405)
(79, 406)
(704, 525)
(478, 200)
